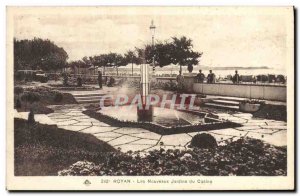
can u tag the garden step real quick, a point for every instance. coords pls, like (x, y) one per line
(226, 102)
(237, 99)
(90, 101)
(88, 95)
(222, 106)
(93, 101)
(86, 98)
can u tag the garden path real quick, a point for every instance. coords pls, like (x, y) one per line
(70, 117)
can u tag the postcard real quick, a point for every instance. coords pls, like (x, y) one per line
(150, 98)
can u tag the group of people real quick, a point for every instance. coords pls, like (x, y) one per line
(211, 77)
(200, 77)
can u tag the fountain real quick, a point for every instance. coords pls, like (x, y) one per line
(160, 120)
(145, 110)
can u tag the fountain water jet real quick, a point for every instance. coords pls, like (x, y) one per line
(145, 111)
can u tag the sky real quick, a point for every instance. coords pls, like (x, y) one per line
(226, 39)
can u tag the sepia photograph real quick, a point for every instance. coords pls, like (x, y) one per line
(150, 98)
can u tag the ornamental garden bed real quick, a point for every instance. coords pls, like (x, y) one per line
(244, 157)
(38, 98)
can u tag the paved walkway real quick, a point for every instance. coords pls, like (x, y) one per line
(70, 117)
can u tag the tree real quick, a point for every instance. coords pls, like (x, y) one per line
(115, 60)
(38, 54)
(79, 64)
(132, 57)
(102, 60)
(89, 60)
(178, 51)
(161, 53)
(182, 53)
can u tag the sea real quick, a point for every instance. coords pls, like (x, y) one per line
(219, 72)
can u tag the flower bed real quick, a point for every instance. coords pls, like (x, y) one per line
(275, 112)
(244, 157)
(43, 96)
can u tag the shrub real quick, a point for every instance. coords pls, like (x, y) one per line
(111, 82)
(79, 82)
(18, 104)
(18, 90)
(57, 97)
(18, 77)
(43, 79)
(204, 140)
(65, 79)
(30, 97)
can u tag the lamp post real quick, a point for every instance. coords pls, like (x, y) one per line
(152, 29)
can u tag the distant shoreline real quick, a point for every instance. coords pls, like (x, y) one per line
(231, 68)
(198, 67)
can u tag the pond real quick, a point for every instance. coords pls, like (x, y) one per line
(161, 116)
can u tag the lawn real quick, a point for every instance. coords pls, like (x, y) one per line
(43, 150)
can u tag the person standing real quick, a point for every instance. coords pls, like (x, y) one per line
(236, 78)
(100, 79)
(211, 77)
(200, 76)
(79, 81)
(180, 82)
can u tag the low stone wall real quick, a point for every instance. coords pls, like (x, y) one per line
(250, 91)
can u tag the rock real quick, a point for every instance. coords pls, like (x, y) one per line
(204, 140)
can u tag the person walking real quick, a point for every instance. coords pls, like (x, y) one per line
(100, 79)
